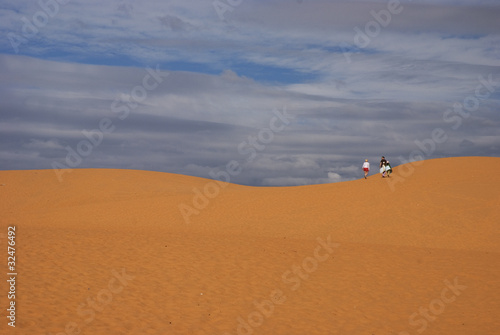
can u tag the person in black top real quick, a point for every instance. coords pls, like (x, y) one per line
(383, 162)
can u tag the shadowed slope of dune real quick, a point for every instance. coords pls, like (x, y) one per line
(135, 252)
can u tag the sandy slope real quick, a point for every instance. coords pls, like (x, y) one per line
(109, 252)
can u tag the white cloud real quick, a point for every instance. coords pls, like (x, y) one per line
(43, 145)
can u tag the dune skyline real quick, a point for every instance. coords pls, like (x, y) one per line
(195, 167)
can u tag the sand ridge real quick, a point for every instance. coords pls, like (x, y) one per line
(109, 251)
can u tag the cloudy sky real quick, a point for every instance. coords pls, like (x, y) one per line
(296, 92)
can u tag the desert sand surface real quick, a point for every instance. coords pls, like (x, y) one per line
(111, 252)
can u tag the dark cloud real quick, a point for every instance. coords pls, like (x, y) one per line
(175, 23)
(466, 20)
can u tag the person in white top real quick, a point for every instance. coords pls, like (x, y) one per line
(366, 167)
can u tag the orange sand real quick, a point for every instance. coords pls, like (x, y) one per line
(108, 252)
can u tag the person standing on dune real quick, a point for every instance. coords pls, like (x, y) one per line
(366, 167)
(388, 168)
(383, 163)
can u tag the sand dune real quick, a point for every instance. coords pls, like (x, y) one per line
(134, 252)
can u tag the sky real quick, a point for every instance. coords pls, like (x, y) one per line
(269, 93)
